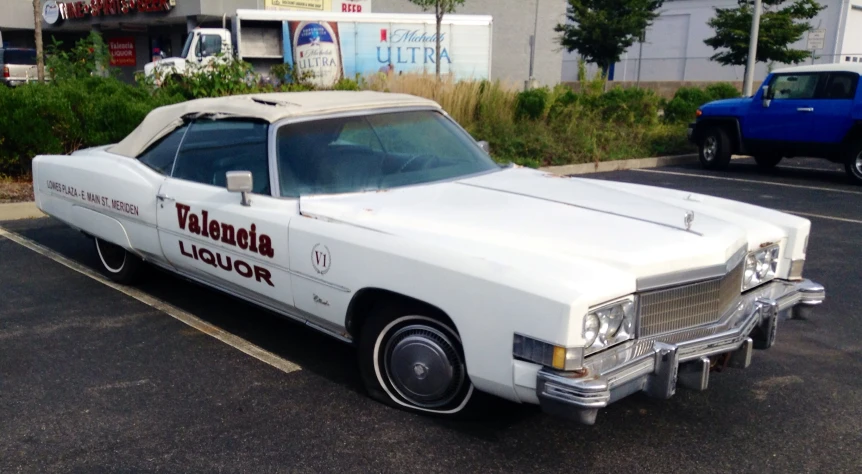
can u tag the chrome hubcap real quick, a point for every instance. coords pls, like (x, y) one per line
(113, 256)
(424, 366)
(710, 148)
(859, 164)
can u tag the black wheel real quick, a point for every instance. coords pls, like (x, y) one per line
(715, 150)
(118, 264)
(766, 162)
(853, 162)
(414, 361)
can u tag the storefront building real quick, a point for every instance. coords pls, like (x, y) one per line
(138, 30)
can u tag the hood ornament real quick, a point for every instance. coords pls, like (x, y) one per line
(689, 219)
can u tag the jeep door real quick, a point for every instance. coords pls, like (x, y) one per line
(788, 116)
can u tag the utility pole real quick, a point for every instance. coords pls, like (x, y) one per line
(531, 81)
(752, 49)
(40, 55)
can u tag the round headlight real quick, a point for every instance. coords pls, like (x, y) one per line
(750, 268)
(615, 319)
(764, 262)
(591, 329)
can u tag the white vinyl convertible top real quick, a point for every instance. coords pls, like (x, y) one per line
(268, 107)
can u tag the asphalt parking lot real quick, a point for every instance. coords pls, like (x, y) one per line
(94, 380)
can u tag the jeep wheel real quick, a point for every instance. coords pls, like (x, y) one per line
(412, 361)
(766, 162)
(715, 149)
(118, 264)
(853, 162)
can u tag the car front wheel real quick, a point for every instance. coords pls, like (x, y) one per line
(117, 263)
(415, 362)
(766, 162)
(714, 149)
(853, 162)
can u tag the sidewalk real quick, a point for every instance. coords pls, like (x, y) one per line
(19, 210)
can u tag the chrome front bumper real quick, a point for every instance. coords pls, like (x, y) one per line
(656, 365)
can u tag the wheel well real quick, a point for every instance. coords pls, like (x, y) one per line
(366, 299)
(729, 125)
(854, 134)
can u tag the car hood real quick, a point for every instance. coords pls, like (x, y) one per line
(725, 106)
(529, 218)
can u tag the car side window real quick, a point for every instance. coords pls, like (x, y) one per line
(841, 85)
(794, 86)
(211, 148)
(160, 156)
(208, 45)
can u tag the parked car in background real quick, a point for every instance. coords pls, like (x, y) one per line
(18, 66)
(807, 111)
(375, 218)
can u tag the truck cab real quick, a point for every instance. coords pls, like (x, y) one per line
(203, 46)
(808, 111)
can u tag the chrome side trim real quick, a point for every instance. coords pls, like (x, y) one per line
(692, 275)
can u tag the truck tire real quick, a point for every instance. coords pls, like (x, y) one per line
(714, 148)
(853, 162)
(766, 162)
(118, 264)
(412, 360)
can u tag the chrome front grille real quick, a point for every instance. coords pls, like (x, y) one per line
(688, 306)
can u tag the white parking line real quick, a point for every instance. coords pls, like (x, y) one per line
(754, 181)
(176, 313)
(821, 216)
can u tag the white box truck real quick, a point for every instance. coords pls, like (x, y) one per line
(329, 46)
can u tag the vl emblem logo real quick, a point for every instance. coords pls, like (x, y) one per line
(689, 219)
(321, 258)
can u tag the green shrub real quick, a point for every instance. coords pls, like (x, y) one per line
(687, 100)
(531, 103)
(722, 90)
(346, 84)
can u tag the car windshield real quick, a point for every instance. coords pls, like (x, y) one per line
(23, 57)
(188, 45)
(374, 152)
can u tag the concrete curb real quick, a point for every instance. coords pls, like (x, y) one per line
(618, 165)
(20, 210)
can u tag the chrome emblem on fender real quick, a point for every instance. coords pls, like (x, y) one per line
(689, 219)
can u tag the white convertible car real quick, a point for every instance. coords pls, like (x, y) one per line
(377, 219)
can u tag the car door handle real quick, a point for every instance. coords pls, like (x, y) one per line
(164, 197)
(805, 109)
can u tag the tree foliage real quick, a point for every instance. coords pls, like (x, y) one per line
(441, 7)
(782, 23)
(602, 30)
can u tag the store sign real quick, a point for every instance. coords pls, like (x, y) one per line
(342, 6)
(81, 9)
(122, 51)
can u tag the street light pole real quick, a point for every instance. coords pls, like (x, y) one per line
(752, 50)
(40, 56)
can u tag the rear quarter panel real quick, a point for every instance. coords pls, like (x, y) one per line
(104, 195)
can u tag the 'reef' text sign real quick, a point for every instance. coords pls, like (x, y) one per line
(122, 51)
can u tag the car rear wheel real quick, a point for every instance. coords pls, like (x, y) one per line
(117, 263)
(714, 148)
(853, 162)
(766, 162)
(414, 361)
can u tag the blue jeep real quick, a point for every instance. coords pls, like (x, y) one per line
(808, 111)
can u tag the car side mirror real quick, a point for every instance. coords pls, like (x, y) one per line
(767, 99)
(485, 146)
(240, 182)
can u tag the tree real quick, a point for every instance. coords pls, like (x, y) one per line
(780, 26)
(40, 53)
(441, 7)
(602, 30)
